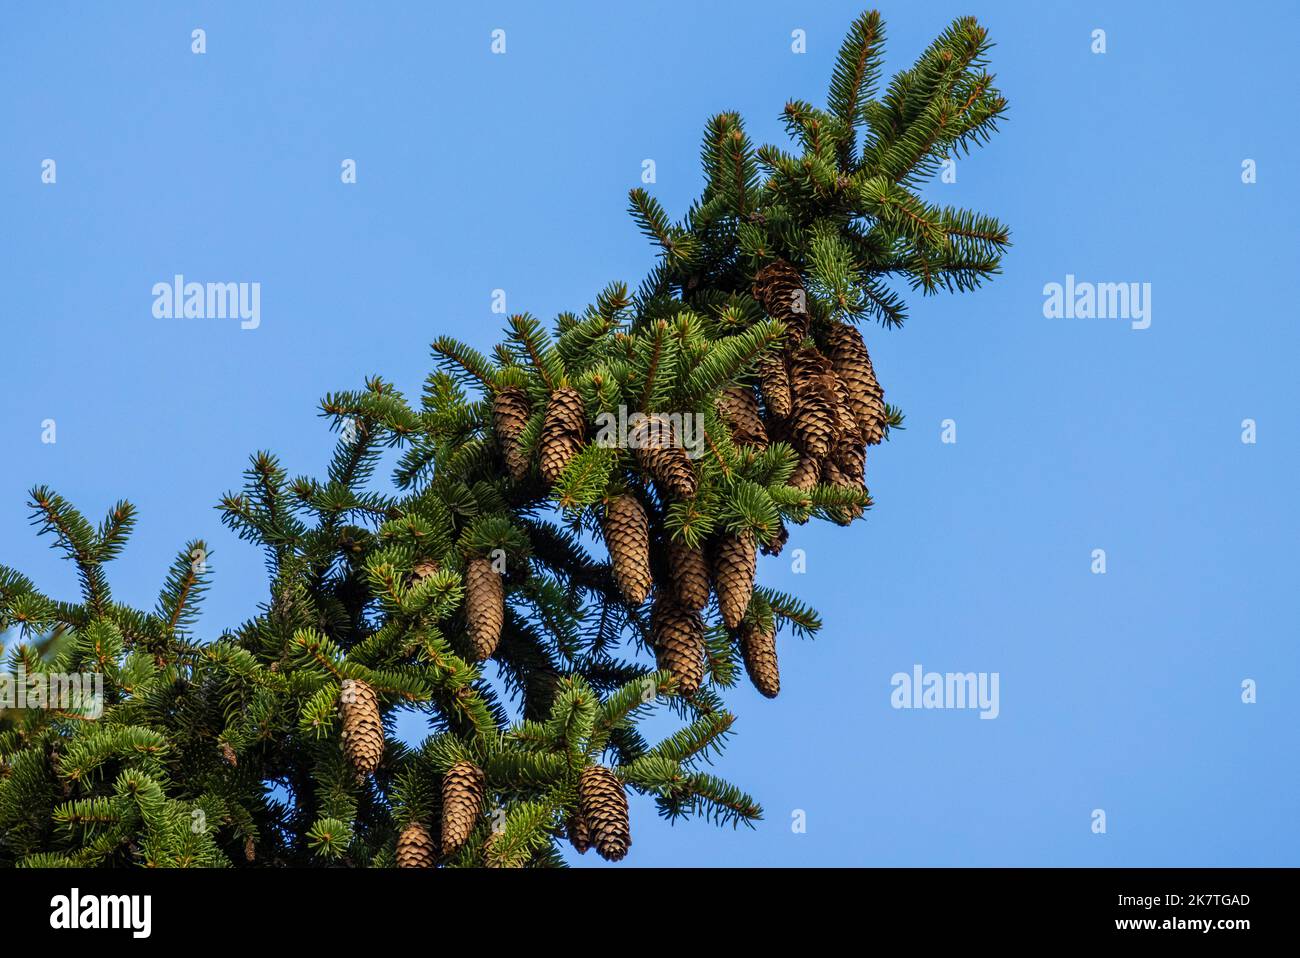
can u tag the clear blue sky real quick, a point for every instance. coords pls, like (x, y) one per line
(475, 172)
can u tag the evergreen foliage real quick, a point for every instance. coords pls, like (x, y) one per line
(232, 752)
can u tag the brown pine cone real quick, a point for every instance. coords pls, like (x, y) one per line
(603, 804)
(807, 473)
(780, 290)
(423, 569)
(774, 383)
(778, 542)
(627, 535)
(758, 649)
(678, 635)
(852, 363)
(463, 788)
(416, 847)
(739, 408)
(733, 575)
(484, 606)
(851, 460)
(579, 834)
(814, 418)
(847, 467)
(564, 430)
(660, 454)
(690, 574)
(846, 423)
(363, 730)
(510, 412)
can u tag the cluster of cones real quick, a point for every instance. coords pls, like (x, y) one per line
(463, 790)
(677, 625)
(600, 821)
(819, 394)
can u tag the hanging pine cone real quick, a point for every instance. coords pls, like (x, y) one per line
(758, 649)
(416, 847)
(850, 459)
(690, 574)
(778, 541)
(739, 408)
(563, 431)
(733, 575)
(484, 606)
(579, 834)
(660, 454)
(678, 636)
(846, 422)
(510, 412)
(774, 383)
(780, 291)
(814, 418)
(627, 535)
(462, 801)
(603, 804)
(847, 468)
(807, 473)
(848, 355)
(423, 569)
(832, 475)
(363, 730)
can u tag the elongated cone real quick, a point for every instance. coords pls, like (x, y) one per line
(733, 575)
(807, 473)
(416, 847)
(659, 450)
(846, 467)
(579, 834)
(678, 635)
(690, 573)
(563, 431)
(462, 802)
(510, 413)
(815, 402)
(737, 405)
(852, 363)
(780, 291)
(484, 606)
(363, 730)
(758, 649)
(603, 804)
(774, 383)
(627, 535)
(847, 429)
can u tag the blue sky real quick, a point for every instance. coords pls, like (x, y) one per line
(476, 172)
